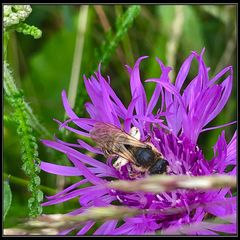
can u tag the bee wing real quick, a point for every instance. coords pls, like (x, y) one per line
(123, 152)
(105, 133)
(113, 140)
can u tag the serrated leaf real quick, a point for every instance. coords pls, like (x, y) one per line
(39, 195)
(7, 198)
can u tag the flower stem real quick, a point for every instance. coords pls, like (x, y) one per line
(25, 183)
(172, 45)
(29, 147)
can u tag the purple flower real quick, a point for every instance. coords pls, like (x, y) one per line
(182, 116)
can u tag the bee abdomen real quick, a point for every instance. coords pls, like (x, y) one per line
(144, 156)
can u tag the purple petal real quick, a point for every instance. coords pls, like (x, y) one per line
(89, 148)
(67, 143)
(67, 106)
(66, 190)
(73, 194)
(220, 126)
(106, 228)
(89, 199)
(87, 174)
(129, 69)
(158, 88)
(169, 87)
(227, 88)
(74, 130)
(219, 75)
(225, 228)
(107, 104)
(220, 151)
(70, 112)
(154, 99)
(177, 105)
(137, 88)
(91, 110)
(227, 206)
(75, 212)
(66, 231)
(65, 198)
(97, 99)
(123, 229)
(202, 69)
(231, 150)
(83, 123)
(82, 157)
(183, 72)
(147, 119)
(129, 115)
(59, 170)
(120, 108)
(88, 225)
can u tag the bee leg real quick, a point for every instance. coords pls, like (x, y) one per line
(148, 139)
(138, 168)
(106, 153)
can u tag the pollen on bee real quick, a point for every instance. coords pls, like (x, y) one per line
(135, 132)
(120, 162)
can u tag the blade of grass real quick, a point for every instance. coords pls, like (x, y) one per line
(107, 49)
(77, 59)
(123, 26)
(174, 39)
(227, 53)
(102, 17)
(163, 183)
(107, 29)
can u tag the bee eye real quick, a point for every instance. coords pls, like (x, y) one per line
(144, 156)
(159, 167)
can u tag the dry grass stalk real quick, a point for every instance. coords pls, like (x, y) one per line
(163, 183)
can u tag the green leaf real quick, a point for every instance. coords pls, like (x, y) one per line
(7, 198)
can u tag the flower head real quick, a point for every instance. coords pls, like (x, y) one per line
(13, 14)
(173, 129)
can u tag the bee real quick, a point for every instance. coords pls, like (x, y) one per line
(114, 142)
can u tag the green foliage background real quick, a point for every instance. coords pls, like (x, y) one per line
(42, 69)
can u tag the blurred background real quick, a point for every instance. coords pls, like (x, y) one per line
(74, 35)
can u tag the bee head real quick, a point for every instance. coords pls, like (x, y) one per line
(159, 167)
